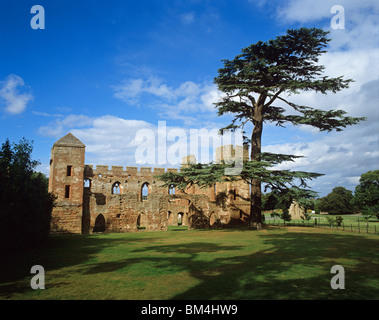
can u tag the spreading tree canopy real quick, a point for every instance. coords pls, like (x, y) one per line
(339, 201)
(252, 84)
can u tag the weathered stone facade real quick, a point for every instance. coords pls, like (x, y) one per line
(296, 211)
(92, 199)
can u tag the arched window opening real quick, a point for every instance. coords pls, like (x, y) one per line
(99, 224)
(87, 183)
(116, 188)
(171, 190)
(145, 190)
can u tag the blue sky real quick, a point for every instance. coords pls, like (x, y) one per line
(105, 69)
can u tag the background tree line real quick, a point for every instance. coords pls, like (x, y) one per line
(340, 200)
(25, 203)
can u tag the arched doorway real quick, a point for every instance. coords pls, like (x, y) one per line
(180, 218)
(141, 221)
(99, 224)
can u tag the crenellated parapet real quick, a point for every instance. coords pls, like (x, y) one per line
(124, 172)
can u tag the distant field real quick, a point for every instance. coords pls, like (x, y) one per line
(275, 263)
(351, 222)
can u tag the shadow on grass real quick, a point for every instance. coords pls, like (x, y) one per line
(59, 252)
(295, 265)
(282, 265)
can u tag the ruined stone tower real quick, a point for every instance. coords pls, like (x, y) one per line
(66, 180)
(230, 153)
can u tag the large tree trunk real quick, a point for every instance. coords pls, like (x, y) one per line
(256, 192)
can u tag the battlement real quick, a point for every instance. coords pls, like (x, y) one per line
(103, 170)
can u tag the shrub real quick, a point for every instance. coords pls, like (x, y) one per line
(306, 215)
(339, 220)
(331, 221)
(286, 216)
(275, 215)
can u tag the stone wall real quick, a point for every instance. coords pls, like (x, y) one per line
(117, 199)
(296, 211)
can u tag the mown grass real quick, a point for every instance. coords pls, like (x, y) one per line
(275, 263)
(351, 222)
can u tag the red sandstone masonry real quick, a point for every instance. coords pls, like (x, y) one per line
(95, 207)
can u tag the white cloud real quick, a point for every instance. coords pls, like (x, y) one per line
(108, 139)
(187, 18)
(185, 103)
(45, 114)
(210, 96)
(59, 127)
(340, 156)
(131, 90)
(15, 102)
(188, 89)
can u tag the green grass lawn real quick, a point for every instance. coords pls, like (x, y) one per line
(275, 263)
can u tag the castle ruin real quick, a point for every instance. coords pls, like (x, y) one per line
(98, 199)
